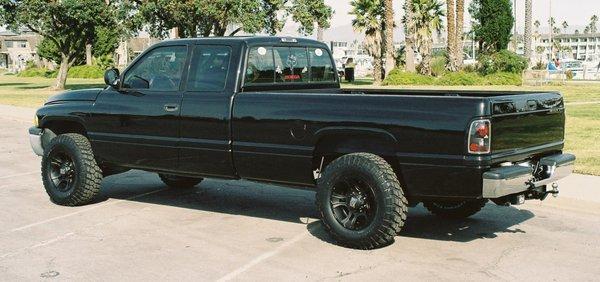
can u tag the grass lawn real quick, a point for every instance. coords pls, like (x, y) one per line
(583, 108)
(33, 91)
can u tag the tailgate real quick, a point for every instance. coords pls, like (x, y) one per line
(527, 120)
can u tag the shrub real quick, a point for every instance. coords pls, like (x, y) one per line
(503, 78)
(400, 77)
(459, 78)
(438, 65)
(37, 72)
(469, 68)
(503, 61)
(86, 72)
(569, 74)
(539, 66)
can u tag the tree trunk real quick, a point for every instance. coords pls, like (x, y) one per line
(460, 23)
(320, 33)
(409, 38)
(425, 50)
(61, 78)
(527, 34)
(451, 44)
(388, 33)
(88, 54)
(377, 70)
(174, 33)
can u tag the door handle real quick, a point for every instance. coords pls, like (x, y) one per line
(171, 107)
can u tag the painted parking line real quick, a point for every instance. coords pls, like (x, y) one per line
(19, 174)
(232, 275)
(80, 212)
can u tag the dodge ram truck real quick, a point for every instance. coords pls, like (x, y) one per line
(270, 109)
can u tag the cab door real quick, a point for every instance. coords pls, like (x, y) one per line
(205, 147)
(137, 125)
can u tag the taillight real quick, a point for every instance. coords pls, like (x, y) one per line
(479, 137)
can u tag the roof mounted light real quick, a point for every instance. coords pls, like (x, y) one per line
(289, 40)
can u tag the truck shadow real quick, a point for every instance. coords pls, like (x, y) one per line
(297, 206)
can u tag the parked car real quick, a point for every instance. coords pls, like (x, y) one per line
(270, 109)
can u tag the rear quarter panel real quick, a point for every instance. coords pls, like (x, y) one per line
(275, 133)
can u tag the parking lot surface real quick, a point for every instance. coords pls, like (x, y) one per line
(238, 230)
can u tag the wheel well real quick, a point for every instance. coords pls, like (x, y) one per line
(332, 147)
(62, 127)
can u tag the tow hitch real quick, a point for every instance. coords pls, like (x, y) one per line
(534, 193)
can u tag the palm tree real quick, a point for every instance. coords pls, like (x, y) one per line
(565, 25)
(460, 23)
(451, 45)
(368, 18)
(388, 31)
(409, 37)
(593, 27)
(427, 16)
(527, 33)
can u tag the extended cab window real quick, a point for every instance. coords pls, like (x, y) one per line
(321, 68)
(160, 70)
(209, 68)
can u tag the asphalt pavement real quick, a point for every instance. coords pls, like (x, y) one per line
(239, 230)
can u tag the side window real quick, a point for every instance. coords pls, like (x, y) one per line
(291, 64)
(321, 68)
(209, 68)
(260, 67)
(159, 70)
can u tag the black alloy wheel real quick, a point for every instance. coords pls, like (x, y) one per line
(353, 203)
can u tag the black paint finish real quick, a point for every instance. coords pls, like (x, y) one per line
(278, 132)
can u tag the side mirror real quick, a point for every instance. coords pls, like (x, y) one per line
(111, 77)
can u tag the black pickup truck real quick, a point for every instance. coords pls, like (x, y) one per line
(270, 109)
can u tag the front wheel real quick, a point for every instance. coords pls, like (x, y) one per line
(70, 173)
(455, 209)
(179, 182)
(361, 202)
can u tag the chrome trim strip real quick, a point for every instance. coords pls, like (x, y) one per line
(559, 166)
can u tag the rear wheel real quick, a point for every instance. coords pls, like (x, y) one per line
(455, 209)
(361, 202)
(70, 173)
(179, 182)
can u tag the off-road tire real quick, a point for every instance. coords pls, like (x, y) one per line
(179, 182)
(88, 176)
(460, 209)
(391, 204)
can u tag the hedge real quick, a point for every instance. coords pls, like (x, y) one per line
(399, 77)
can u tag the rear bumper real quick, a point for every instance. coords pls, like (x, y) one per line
(35, 139)
(513, 179)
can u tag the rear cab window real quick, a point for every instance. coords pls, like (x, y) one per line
(281, 65)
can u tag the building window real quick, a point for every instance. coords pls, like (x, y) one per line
(16, 44)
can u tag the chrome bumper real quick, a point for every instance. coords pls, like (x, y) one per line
(35, 139)
(514, 179)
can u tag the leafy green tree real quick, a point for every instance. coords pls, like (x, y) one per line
(105, 42)
(67, 24)
(310, 13)
(368, 18)
(193, 18)
(427, 16)
(493, 23)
